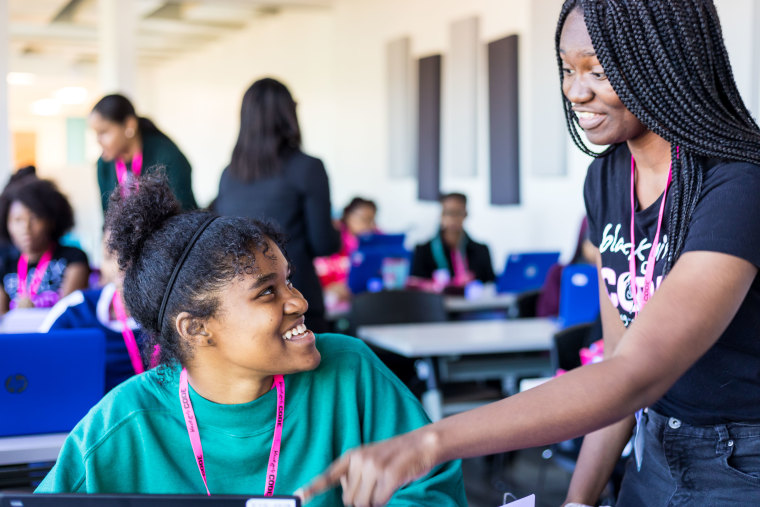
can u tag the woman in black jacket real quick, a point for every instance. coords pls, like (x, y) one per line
(270, 177)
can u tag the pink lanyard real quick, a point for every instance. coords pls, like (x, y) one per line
(195, 437)
(640, 301)
(126, 332)
(22, 269)
(121, 168)
(459, 266)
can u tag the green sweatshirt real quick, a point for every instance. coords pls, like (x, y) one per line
(135, 439)
(158, 150)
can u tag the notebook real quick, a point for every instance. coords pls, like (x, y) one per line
(48, 381)
(71, 500)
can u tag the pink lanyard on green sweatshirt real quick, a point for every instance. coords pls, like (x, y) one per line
(195, 437)
(127, 333)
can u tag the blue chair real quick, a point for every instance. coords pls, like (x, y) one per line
(578, 295)
(526, 271)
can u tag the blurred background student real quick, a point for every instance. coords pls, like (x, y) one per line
(452, 249)
(103, 308)
(269, 177)
(37, 271)
(358, 219)
(132, 144)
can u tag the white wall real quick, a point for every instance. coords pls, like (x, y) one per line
(334, 62)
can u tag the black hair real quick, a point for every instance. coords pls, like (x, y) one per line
(149, 232)
(668, 65)
(43, 199)
(117, 108)
(357, 202)
(453, 195)
(268, 130)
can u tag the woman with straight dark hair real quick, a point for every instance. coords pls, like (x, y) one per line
(133, 145)
(270, 177)
(672, 207)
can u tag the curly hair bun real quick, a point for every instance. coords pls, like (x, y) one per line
(134, 216)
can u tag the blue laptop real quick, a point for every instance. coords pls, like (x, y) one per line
(367, 262)
(526, 271)
(48, 381)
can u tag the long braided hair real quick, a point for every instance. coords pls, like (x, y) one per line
(668, 65)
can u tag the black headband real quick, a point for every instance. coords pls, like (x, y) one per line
(178, 267)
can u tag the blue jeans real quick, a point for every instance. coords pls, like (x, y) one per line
(694, 465)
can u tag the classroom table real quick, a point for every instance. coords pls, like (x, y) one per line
(30, 448)
(505, 349)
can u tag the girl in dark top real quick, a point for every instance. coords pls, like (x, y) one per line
(270, 177)
(37, 270)
(652, 80)
(133, 145)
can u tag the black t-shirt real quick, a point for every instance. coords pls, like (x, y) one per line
(724, 384)
(48, 292)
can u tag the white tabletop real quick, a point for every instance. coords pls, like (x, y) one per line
(462, 337)
(486, 302)
(30, 448)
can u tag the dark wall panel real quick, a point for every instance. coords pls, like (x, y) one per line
(504, 136)
(429, 128)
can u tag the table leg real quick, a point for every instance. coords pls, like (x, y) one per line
(432, 400)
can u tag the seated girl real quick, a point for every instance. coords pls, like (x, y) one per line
(38, 270)
(358, 219)
(103, 308)
(238, 365)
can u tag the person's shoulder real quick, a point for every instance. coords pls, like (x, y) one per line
(736, 173)
(70, 253)
(135, 399)
(613, 156)
(334, 343)
(297, 160)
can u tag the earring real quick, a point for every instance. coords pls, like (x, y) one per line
(129, 132)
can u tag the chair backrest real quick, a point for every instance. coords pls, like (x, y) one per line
(525, 271)
(566, 345)
(397, 307)
(578, 295)
(374, 251)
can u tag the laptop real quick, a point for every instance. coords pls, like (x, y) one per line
(48, 381)
(378, 256)
(526, 271)
(73, 500)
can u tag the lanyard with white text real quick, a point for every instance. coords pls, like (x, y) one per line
(121, 168)
(22, 269)
(126, 332)
(640, 301)
(195, 437)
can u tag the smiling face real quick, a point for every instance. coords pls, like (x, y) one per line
(259, 328)
(601, 114)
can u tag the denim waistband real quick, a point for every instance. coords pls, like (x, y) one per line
(671, 425)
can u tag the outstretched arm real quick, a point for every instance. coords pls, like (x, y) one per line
(684, 318)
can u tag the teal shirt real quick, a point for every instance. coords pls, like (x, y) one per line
(158, 150)
(135, 439)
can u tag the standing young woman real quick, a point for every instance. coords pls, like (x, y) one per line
(247, 399)
(270, 177)
(133, 145)
(679, 189)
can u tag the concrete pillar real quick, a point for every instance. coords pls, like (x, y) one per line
(117, 43)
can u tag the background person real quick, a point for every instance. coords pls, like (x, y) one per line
(133, 145)
(37, 271)
(270, 177)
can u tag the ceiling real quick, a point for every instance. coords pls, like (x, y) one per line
(55, 36)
